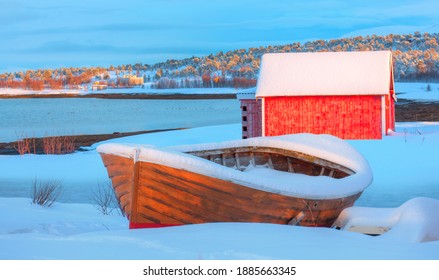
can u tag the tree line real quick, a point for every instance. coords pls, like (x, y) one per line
(415, 58)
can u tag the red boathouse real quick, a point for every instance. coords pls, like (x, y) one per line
(346, 94)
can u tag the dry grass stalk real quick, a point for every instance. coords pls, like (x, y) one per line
(45, 193)
(105, 199)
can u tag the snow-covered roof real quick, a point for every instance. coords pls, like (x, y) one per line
(326, 147)
(325, 73)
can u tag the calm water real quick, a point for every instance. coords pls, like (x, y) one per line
(73, 116)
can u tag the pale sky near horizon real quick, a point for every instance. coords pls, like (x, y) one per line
(60, 33)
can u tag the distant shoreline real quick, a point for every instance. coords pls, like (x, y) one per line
(174, 96)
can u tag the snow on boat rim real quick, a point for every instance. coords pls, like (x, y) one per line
(326, 147)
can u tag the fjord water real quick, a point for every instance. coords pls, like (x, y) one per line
(39, 117)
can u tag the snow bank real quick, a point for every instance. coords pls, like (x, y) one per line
(20, 216)
(414, 221)
(404, 166)
(81, 232)
(298, 185)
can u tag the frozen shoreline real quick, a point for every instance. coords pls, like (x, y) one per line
(160, 96)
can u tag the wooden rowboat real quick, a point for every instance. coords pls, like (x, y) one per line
(298, 179)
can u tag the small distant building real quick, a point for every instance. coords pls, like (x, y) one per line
(250, 113)
(346, 94)
(95, 87)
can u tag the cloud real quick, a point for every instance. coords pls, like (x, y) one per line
(93, 31)
(13, 13)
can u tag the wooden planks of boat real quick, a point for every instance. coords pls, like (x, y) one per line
(153, 193)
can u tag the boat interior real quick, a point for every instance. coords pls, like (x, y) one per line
(277, 159)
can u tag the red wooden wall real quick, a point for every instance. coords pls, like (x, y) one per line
(390, 113)
(251, 118)
(347, 117)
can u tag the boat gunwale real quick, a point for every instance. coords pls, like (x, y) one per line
(358, 174)
(135, 150)
(272, 150)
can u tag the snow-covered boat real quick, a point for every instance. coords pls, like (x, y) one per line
(300, 179)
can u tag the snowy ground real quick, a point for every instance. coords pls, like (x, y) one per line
(406, 184)
(404, 166)
(418, 91)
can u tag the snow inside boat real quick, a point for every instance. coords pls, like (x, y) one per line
(300, 179)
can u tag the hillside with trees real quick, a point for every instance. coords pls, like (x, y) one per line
(415, 58)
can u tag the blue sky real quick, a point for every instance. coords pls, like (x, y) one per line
(59, 33)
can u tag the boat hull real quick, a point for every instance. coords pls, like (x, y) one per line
(154, 195)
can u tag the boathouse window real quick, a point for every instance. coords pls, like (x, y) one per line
(244, 108)
(244, 128)
(244, 119)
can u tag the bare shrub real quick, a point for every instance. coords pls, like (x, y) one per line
(25, 145)
(48, 145)
(69, 144)
(46, 192)
(22, 146)
(105, 199)
(428, 88)
(59, 145)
